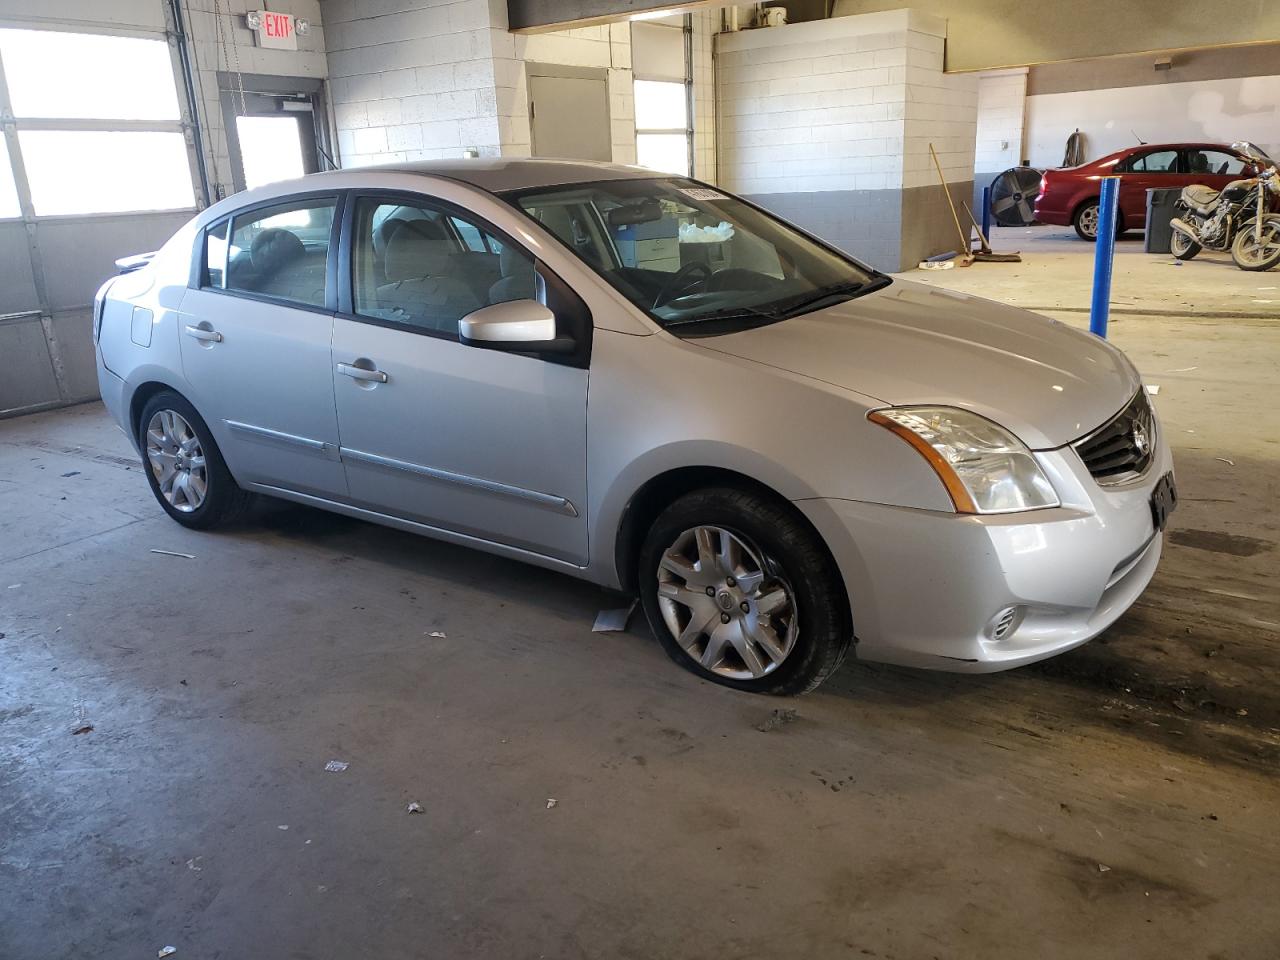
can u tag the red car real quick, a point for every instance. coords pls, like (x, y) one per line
(1069, 196)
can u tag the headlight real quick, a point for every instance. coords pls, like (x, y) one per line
(985, 468)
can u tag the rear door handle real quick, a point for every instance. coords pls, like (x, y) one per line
(360, 373)
(200, 333)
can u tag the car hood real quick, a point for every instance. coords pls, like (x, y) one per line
(915, 344)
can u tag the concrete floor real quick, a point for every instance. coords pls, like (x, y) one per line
(1120, 801)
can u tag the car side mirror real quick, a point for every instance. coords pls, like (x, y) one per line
(514, 326)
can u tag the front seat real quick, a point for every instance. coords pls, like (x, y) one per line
(419, 290)
(517, 281)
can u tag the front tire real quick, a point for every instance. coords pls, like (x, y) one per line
(740, 591)
(1253, 255)
(188, 476)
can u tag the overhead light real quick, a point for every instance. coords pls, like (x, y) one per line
(302, 26)
(253, 19)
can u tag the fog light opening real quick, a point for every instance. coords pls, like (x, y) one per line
(1005, 622)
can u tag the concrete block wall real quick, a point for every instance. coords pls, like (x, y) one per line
(412, 79)
(828, 122)
(706, 23)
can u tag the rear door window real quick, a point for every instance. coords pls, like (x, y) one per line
(282, 251)
(1157, 161)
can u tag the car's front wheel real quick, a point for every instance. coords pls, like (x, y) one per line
(184, 466)
(741, 591)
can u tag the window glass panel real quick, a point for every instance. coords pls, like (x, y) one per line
(270, 149)
(1215, 162)
(1161, 161)
(9, 206)
(739, 264)
(88, 76)
(93, 171)
(660, 106)
(667, 152)
(470, 234)
(282, 251)
(215, 254)
(410, 268)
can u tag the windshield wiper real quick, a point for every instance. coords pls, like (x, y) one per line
(727, 313)
(842, 288)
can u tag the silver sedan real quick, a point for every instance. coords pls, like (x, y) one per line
(654, 385)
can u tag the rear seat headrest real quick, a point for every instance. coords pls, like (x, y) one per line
(274, 248)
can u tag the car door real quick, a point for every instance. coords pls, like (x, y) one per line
(255, 334)
(486, 444)
(1152, 169)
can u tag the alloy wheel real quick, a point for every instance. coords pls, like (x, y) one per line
(1089, 220)
(177, 461)
(726, 603)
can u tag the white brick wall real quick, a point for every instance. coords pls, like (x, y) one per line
(412, 79)
(850, 103)
(705, 25)
(1002, 97)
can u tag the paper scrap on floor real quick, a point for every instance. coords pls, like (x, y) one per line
(613, 621)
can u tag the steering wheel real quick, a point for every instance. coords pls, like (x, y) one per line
(680, 280)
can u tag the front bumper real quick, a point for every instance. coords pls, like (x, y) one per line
(927, 588)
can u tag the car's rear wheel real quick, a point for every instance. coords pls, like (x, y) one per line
(1086, 221)
(186, 471)
(739, 590)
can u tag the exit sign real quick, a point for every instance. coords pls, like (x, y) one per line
(276, 31)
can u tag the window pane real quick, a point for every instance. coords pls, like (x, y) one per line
(270, 149)
(82, 171)
(660, 106)
(1162, 161)
(1215, 162)
(8, 192)
(88, 76)
(215, 252)
(668, 152)
(282, 251)
(410, 268)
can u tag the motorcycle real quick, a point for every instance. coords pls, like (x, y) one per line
(1235, 218)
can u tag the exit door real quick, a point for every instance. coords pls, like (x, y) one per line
(275, 129)
(569, 113)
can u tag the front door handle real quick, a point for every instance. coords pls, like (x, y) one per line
(360, 373)
(204, 333)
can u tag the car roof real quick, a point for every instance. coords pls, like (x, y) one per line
(499, 174)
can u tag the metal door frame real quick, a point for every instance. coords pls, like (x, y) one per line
(257, 95)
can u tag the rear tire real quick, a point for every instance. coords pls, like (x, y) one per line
(1183, 247)
(1086, 221)
(188, 476)
(775, 620)
(1252, 256)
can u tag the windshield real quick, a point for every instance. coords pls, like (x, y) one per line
(687, 254)
(1251, 150)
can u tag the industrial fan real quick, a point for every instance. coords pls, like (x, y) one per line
(1013, 196)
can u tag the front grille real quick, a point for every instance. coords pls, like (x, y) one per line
(1121, 448)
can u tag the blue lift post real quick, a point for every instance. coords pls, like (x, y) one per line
(986, 213)
(1100, 308)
